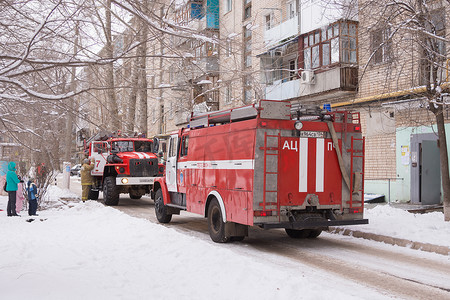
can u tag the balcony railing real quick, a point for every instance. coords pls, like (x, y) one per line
(280, 32)
(335, 81)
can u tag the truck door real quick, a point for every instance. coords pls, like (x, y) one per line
(99, 152)
(171, 164)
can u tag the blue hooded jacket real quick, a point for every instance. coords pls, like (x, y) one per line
(11, 178)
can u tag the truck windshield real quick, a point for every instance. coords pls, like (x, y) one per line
(143, 146)
(122, 146)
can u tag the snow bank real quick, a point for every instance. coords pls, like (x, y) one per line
(426, 228)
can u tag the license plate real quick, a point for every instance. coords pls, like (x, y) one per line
(313, 134)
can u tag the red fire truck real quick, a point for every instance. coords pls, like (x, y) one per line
(122, 165)
(259, 165)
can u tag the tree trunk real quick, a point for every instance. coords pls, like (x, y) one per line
(113, 119)
(142, 51)
(443, 153)
(70, 106)
(131, 118)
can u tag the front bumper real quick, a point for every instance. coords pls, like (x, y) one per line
(312, 224)
(135, 180)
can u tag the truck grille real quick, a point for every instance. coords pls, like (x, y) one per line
(144, 167)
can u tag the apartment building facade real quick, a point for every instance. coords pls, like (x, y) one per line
(308, 52)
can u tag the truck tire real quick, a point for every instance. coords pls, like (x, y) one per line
(314, 233)
(93, 195)
(298, 233)
(161, 209)
(110, 193)
(135, 196)
(216, 225)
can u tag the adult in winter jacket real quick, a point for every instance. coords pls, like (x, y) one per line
(32, 197)
(86, 178)
(11, 187)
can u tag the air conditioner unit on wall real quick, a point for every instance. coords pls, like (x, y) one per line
(308, 77)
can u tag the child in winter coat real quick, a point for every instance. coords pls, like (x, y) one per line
(32, 197)
(19, 197)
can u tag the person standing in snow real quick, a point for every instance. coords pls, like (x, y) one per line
(11, 187)
(19, 197)
(86, 178)
(32, 197)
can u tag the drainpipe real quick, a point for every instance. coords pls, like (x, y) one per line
(417, 90)
(298, 4)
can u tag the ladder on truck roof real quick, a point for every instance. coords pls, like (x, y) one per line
(266, 109)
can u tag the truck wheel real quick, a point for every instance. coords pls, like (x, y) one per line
(135, 196)
(216, 225)
(110, 194)
(314, 233)
(297, 234)
(161, 209)
(93, 195)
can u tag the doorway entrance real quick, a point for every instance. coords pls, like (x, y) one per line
(425, 169)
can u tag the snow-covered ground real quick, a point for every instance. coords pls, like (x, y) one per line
(89, 251)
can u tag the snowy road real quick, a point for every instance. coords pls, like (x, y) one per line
(390, 270)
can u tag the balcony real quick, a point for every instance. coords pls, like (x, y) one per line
(281, 32)
(336, 82)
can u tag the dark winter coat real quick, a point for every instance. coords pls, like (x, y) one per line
(32, 191)
(11, 178)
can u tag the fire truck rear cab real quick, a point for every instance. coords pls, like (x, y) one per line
(122, 165)
(259, 166)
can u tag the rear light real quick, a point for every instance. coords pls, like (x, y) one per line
(263, 213)
(355, 210)
(357, 128)
(263, 124)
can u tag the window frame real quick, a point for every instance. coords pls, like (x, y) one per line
(246, 10)
(228, 6)
(330, 38)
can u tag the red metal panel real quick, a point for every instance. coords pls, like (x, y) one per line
(289, 173)
(236, 206)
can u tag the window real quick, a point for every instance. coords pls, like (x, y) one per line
(247, 9)
(291, 11)
(122, 146)
(268, 19)
(248, 47)
(348, 42)
(332, 44)
(434, 63)
(228, 48)
(292, 70)
(100, 148)
(248, 96)
(184, 145)
(272, 66)
(142, 146)
(228, 95)
(228, 5)
(380, 45)
(173, 146)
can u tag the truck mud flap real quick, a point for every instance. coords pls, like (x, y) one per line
(312, 224)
